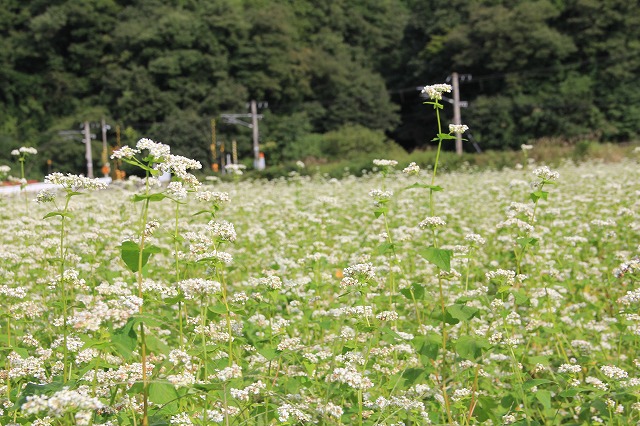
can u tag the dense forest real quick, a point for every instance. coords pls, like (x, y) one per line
(329, 71)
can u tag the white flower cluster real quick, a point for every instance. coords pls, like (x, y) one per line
(379, 194)
(570, 368)
(177, 190)
(271, 282)
(412, 169)
(17, 292)
(60, 403)
(290, 344)
(74, 182)
(630, 267)
(216, 197)
(24, 150)
(197, 287)
(502, 275)
(287, 411)
(235, 169)
(385, 163)
(432, 222)
(546, 174)
(124, 152)
(223, 230)
(613, 372)
(229, 373)
(358, 274)
(252, 389)
(458, 128)
(435, 91)
(475, 239)
(351, 377)
(45, 196)
(387, 316)
(630, 297)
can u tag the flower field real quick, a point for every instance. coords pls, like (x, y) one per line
(493, 298)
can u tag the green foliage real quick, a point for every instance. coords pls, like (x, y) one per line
(541, 68)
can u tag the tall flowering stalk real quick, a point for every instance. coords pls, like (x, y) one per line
(22, 153)
(156, 160)
(71, 185)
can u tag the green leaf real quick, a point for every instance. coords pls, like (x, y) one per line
(164, 393)
(462, 312)
(417, 289)
(380, 211)
(151, 197)
(445, 136)
(535, 196)
(434, 188)
(430, 347)
(526, 241)
(268, 353)
(62, 214)
(130, 253)
(471, 348)
(534, 382)
(386, 248)
(439, 257)
(544, 396)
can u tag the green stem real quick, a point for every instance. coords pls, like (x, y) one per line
(143, 343)
(65, 367)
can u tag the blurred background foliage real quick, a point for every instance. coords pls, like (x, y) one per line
(339, 76)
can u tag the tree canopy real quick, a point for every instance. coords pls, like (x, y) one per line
(164, 69)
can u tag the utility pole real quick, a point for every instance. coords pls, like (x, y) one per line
(456, 110)
(235, 119)
(254, 126)
(214, 153)
(88, 156)
(106, 167)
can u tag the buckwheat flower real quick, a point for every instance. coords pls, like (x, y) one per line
(177, 356)
(546, 174)
(244, 394)
(351, 377)
(508, 419)
(217, 197)
(475, 239)
(235, 169)
(45, 196)
(460, 394)
(412, 169)
(630, 267)
(526, 147)
(458, 128)
(15, 152)
(181, 419)
(287, 411)
(432, 222)
(613, 372)
(60, 403)
(358, 274)
(229, 373)
(156, 150)
(194, 288)
(387, 316)
(379, 194)
(289, 344)
(177, 190)
(385, 163)
(74, 182)
(183, 380)
(331, 410)
(28, 150)
(223, 230)
(570, 368)
(435, 91)
(597, 383)
(124, 152)
(151, 227)
(217, 256)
